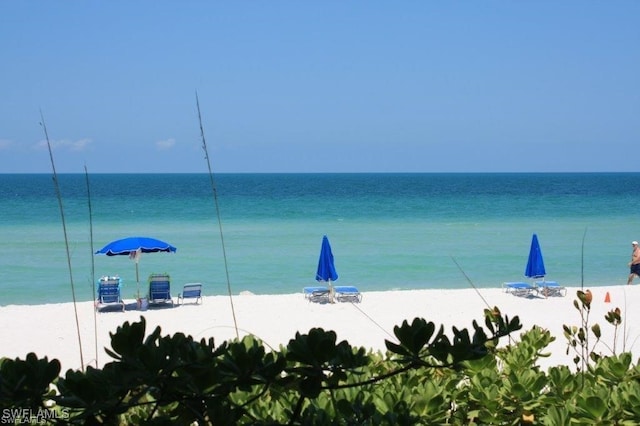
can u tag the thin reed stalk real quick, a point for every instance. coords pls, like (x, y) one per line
(582, 261)
(470, 282)
(215, 199)
(93, 264)
(66, 239)
(476, 289)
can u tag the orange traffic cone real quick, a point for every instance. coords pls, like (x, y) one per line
(607, 298)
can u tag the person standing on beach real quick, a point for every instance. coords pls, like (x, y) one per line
(634, 265)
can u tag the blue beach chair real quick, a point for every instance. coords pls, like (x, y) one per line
(109, 293)
(191, 291)
(160, 289)
(521, 289)
(318, 294)
(347, 293)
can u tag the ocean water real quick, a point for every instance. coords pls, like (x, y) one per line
(387, 231)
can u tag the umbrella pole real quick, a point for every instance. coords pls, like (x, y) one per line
(331, 292)
(137, 279)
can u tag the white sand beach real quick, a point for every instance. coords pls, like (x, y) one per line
(50, 330)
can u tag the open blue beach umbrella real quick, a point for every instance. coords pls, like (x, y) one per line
(127, 246)
(326, 268)
(535, 264)
(133, 247)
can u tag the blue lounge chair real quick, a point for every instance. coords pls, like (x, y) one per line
(519, 288)
(160, 289)
(347, 293)
(550, 288)
(109, 293)
(191, 291)
(318, 294)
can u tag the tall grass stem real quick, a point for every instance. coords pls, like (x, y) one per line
(66, 238)
(93, 263)
(217, 205)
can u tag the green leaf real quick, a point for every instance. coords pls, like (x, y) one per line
(596, 330)
(595, 406)
(127, 339)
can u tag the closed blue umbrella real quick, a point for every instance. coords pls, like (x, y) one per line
(326, 268)
(133, 247)
(535, 264)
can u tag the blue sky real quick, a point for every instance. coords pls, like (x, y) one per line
(320, 86)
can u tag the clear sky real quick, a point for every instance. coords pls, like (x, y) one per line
(320, 86)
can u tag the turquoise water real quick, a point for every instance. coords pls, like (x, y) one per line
(388, 231)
